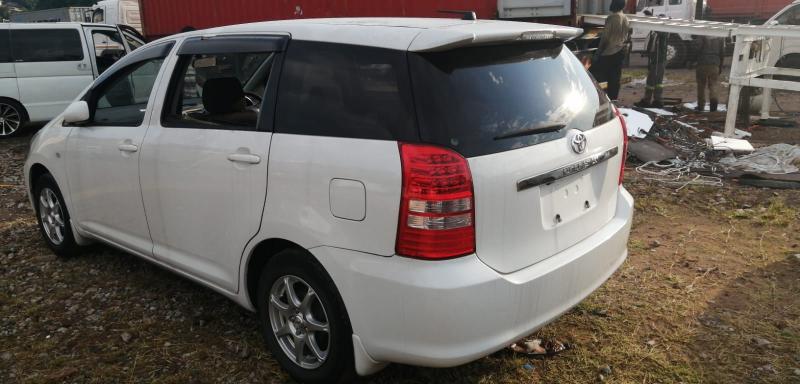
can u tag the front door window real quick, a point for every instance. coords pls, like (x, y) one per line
(108, 48)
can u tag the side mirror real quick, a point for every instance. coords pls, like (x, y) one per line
(76, 113)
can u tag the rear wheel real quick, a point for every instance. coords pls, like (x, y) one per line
(13, 118)
(53, 217)
(303, 319)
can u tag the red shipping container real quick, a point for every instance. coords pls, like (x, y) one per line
(166, 17)
(745, 11)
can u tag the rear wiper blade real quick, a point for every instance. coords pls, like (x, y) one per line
(532, 131)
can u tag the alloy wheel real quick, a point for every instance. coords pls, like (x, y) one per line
(299, 322)
(10, 119)
(52, 216)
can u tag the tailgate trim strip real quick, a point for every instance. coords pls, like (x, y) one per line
(567, 170)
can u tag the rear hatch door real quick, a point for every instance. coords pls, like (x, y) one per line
(542, 142)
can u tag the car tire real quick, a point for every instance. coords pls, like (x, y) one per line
(324, 356)
(53, 217)
(677, 53)
(13, 118)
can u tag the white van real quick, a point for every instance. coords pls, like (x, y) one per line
(44, 66)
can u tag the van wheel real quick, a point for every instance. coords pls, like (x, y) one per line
(13, 117)
(53, 217)
(304, 321)
(677, 52)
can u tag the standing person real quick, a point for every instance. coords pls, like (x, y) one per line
(710, 55)
(610, 54)
(656, 65)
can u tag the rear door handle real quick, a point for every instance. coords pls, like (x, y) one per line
(244, 158)
(128, 147)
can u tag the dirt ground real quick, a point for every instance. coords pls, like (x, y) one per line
(709, 294)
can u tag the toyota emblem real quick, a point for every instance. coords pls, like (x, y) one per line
(578, 143)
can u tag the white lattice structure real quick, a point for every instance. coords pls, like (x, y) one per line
(755, 53)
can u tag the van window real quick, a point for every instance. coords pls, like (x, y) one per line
(218, 91)
(345, 91)
(5, 46)
(123, 100)
(484, 100)
(37, 45)
(108, 48)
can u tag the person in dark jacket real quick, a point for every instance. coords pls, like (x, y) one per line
(656, 65)
(710, 56)
(610, 55)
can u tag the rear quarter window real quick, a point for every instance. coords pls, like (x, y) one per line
(342, 90)
(37, 45)
(475, 99)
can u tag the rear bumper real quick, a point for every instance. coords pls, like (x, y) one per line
(446, 313)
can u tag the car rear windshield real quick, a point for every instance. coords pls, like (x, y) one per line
(489, 99)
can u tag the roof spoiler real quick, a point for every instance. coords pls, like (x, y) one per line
(431, 40)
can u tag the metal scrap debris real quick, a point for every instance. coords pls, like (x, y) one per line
(539, 347)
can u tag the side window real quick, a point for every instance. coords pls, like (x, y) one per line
(790, 17)
(655, 3)
(98, 16)
(5, 48)
(345, 91)
(108, 48)
(218, 91)
(675, 2)
(37, 45)
(122, 100)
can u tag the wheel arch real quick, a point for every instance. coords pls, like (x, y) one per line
(36, 171)
(22, 106)
(261, 254)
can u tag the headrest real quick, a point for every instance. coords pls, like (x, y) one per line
(223, 95)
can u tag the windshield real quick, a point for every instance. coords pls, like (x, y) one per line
(484, 100)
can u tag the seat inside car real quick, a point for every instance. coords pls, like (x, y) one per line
(224, 102)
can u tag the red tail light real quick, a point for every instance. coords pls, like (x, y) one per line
(624, 143)
(437, 208)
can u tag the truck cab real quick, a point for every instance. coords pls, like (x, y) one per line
(790, 48)
(115, 12)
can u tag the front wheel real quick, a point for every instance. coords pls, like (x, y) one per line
(53, 217)
(304, 321)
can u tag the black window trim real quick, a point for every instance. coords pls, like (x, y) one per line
(159, 51)
(238, 44)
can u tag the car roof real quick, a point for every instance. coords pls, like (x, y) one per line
(413, 34)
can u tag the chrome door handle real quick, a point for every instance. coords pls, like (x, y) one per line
(128, 147)
(244, 158)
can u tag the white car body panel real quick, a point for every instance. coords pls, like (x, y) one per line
(180, 203)
(515, 229)
(450, 312)
(304, 214)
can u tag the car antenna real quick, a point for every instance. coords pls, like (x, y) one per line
(465, 15)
